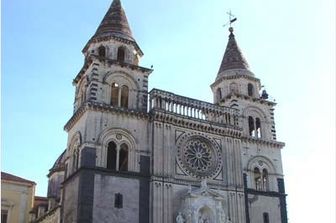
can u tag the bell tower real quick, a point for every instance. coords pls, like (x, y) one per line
(111, 73)
(105, 162)
(237, 87)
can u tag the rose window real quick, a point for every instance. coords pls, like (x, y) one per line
(199, 157)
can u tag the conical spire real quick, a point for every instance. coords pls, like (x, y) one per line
(233, 57)
(114, 23)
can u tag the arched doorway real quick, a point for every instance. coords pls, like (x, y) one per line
(205, 215)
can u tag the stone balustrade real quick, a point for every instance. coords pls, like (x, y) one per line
(171, 103)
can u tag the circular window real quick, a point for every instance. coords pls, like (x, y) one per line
(199, 157)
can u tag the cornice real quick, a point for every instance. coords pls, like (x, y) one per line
(110, 62)
(271, 143)
(235, 76)
(248, 98)
(111, 37)
(94, 106)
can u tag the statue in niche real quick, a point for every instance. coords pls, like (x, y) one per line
(179, 218)
(188, 216)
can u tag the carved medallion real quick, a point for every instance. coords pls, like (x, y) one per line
(119, 136)
(199, 156)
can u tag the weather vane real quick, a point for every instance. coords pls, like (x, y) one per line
(232, 19)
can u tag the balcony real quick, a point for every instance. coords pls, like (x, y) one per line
(169, 103)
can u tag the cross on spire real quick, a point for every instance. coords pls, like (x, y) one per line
(232, 19)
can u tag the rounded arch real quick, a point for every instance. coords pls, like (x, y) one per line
(205, 214)
(81, 92)
(122, 78)
(111, 134)
(250, 89)
(125, 147)
(73, 153)
(126, 95)
(76, 140)
(102, 51)
(261, 162)
(121, 53)
(254, 111)
(260, 170)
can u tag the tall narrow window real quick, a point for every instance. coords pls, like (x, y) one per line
(121, 54)
(251, 126)
(250, 89)
(123, 157)
(257, 178)
(102, 51)
(115, 94)
(219, 94)
(118, 200)
(82, 96)
(258, 127)
(265, 180)
(75, 159)
(111, 156)
(124, 97)
(266, 217)
(4, 216)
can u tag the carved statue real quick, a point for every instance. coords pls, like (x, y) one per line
(179, 218)
(188, 216)
(204, 184)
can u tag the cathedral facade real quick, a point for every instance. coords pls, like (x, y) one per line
(141, 156)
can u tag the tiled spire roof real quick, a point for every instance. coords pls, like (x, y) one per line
(233, 57)
(114, 23)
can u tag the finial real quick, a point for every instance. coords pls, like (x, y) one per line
(231, 30)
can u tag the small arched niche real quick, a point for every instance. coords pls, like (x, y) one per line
(121, 54)
(102, 51)
(205, 214)
(250, 90)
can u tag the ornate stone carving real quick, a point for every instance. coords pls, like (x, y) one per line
(199, 156)
(179, 218)
(202, 205)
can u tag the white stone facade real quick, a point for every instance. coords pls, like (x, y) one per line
(158, 157)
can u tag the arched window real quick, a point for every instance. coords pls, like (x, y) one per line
(219, 94)
(124, 97)
(258, 128)
(115, 94)
(257, 178)
(233, 88)
(121, 54)
(251, 126)
(265, 180)
(82, 96)
(111, 156)
(75, 158)
(250, 89)
(102, 51)
(266, 217)
(123, 157)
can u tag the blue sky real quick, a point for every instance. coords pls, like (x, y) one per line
(290, 46)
